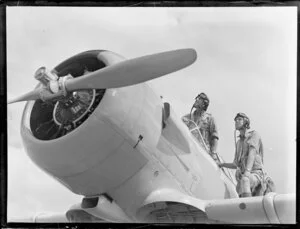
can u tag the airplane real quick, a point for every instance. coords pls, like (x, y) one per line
(95, 125)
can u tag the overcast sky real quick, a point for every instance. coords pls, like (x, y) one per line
(246, 63)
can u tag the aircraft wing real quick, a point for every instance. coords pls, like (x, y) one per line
(179, 208)
(169, 206)
(91, 210)
(269, 209)
(71, 216)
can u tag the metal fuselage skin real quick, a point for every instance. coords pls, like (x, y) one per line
(121, 150)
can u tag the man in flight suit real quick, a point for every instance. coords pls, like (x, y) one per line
(248, 160)
(202, 125)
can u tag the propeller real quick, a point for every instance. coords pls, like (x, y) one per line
(32, 95)
(125, 73)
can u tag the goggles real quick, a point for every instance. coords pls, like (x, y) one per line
(202, 96)
(242, 115)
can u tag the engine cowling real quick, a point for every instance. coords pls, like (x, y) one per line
(44, 130)
(84, 156)
(51, 120)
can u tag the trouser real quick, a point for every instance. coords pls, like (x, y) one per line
(246, 184)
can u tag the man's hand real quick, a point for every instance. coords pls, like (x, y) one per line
(227, 165)
(185, 119)
(214, 155)
(246, 173)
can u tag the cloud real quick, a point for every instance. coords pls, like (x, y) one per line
(30, 190)
(14, 113)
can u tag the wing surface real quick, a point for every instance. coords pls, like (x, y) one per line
(269, 209)
(170, 206)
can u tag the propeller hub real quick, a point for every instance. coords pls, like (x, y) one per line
(44, 76)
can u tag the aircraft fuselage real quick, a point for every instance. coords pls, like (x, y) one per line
(123, 150)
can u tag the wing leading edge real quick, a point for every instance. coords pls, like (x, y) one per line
(272, 208)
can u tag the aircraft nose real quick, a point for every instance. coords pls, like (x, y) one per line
(85, 160)
(73, 153)
(109, 173)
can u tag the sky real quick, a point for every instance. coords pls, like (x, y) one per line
(246, 62)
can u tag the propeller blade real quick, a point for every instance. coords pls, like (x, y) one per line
(134, 71)
(32, 95)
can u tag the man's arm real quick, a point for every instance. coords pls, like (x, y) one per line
(228, 165)
(250, 160)
(253, 149)
(214, 145)
(214, 136)
(213, 148)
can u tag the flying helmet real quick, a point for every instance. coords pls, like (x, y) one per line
(205, 99)
(245, 117)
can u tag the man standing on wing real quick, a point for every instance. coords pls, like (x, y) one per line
(248, 160)
(202, 125)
